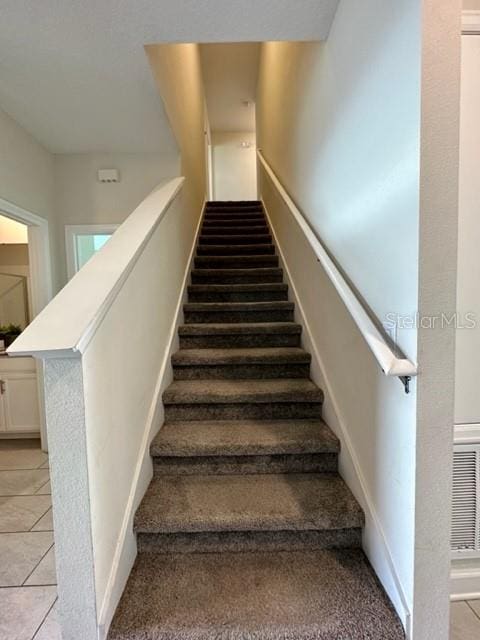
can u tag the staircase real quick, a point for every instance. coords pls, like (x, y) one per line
(247, 531)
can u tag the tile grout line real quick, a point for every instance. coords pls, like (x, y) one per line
(43, 485)
(42, 558)
(28, 586)
(43, 514)
(472, 609)
(43, 621)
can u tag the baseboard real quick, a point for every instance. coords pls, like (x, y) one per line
(320, 376)
(125, 553)
(465, 583)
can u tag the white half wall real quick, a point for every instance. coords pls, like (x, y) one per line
(234, 166)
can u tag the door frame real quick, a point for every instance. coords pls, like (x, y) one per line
(40, 269)
(471, 22)
(38, 253)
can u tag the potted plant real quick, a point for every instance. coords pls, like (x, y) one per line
(10, 333)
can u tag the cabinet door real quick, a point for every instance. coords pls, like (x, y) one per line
(21, 402)
(3, 424)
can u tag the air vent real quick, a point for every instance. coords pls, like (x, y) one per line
(465, 539)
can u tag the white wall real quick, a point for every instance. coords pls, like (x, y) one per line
(27, 175)
(234, 167)
(81, 199)
(340, 125)
(178, 74)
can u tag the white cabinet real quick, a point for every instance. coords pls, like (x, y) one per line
(19, 406)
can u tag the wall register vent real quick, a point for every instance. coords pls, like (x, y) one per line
(465, 539)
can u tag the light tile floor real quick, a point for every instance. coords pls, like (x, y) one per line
(465, 620)
(28, 590)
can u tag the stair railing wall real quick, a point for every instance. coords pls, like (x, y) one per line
(366, 409)
(105, 341)
(384, 353)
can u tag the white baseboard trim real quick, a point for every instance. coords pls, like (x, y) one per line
(365, 499)
(466, 434)
(465, 584)
(124, 556)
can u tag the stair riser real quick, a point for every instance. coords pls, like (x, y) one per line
(236, 209)
(231, 217)
(246, 411)
(246, 465)
(246, 541)
(240, 341)
(235, 250)
(234, 221)
(204, 276)
(234, 240)
(241, 372)
(268, 315)
(238, 296)
(241, 262)
(216, 230)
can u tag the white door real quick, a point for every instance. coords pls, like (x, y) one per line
(467, 375)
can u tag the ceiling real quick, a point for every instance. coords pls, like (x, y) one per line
(230, 74)
(75, 75)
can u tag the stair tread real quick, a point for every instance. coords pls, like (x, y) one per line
(244, 437)
(227, 249)
(226, 328)
(262, 286)
(233, 356)
(242, 391)
(238, 257)
(278, 502)
(221, 238)
(295, 595)
(236, 272)
(238, 306)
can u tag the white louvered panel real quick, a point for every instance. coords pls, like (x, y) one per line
(466, 501)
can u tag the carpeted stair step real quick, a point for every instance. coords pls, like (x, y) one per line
(330, 594)
(217, 230)
(263, 334)
(231, 364)
(237, 292)
(198, 312)
(217, 239)
(244, 446)
(237, 249)
(234, 203)
(219, 215)
(237, 276)
(234, 222)
(252, 502)
(242, 400)
(235, 262)
(234, 206)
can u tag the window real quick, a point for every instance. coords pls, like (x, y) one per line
(83, 241)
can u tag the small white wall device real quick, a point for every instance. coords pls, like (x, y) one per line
(108, 175)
